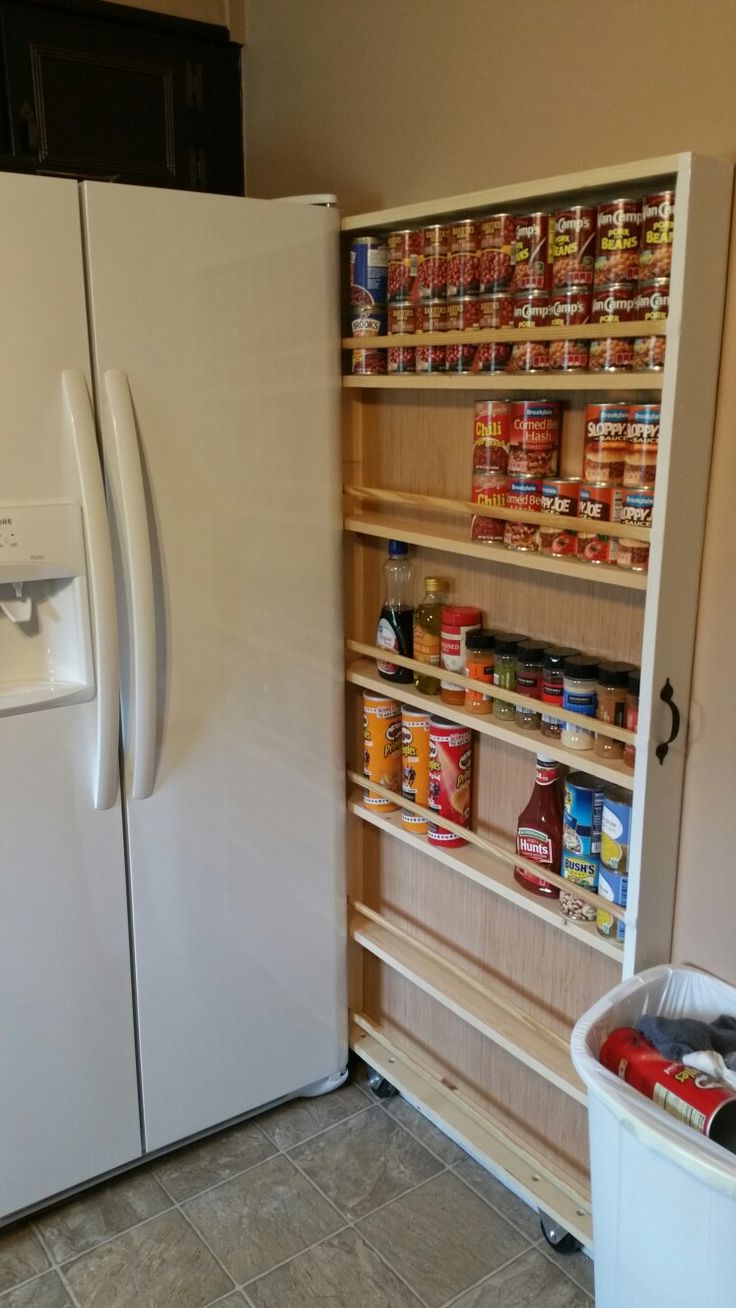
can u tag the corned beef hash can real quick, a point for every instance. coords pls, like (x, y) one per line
(450, 776)
(617, 242)
(381, 748)
(415, 765)
(573, 246)
(534, 437)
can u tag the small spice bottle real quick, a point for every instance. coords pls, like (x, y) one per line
(529, 681)
(504, 673)
(580, 679)
(479, 665)
(611, 706)
(631, 717)
(552, 687)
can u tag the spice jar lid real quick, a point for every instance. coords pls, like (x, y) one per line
(480, 640)
(581, 667)
(633, 682)
(436, 583)
(555, 655)
(614, 674)
(531, 650)
(460, 615)
(507, 642)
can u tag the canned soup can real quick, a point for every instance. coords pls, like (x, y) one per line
(415, 765)
(368, 270)
(616, 829)
(581, 842)
(381, 748)
(559, 500)
(450, 776)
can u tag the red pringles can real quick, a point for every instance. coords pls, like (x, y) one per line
(693, 1097)
(534, 438)
(617, 242)
(657, 231)
(531, 265)
(404, 257)
(569, 308)
(497, 233)
(573, 247)
(450, 779)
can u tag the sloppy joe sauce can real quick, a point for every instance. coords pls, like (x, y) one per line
(497, 233)
(531, 253)
(415, 765)
(606, 442)
(559, 499)
(581, 841)
(534, 438)
(368, 270)
(658, 228)
(642, 440)
(450, 777)
(491, 435)
(617, 241)
(381, 748)
(404, 258)
(599, 503)
(636, 510)
(693, 1097)
(573, 246)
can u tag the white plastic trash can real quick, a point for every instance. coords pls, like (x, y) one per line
(664, 1196)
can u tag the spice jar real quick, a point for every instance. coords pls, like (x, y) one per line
(479, 665)
(631, 716)
(457, 621)
(504, 673)
(579, 696)
(529, 681)
(611, 706)
(552, 687)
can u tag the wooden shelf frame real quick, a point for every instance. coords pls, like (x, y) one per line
(486, 335)
(479, 1133)
(550, 383)
(504, 1023)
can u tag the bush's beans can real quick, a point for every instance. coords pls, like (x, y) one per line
(404, 258)
(460, 358)
(642, 440)
(368, 270)
(431, 316)
(606, 442)
(531, 265)
(534, 438)
(496, 244)
(369, 363)
(430, 358)
(368, 320)
(495, 309)
(402, 317)
(573, 246)
(462, 273)
(599, 503)
(524, 493)
(616, 829)
(617, 242)
(492, 356)
(658, 227)
(381, 748)
(433, 268)
(612, 887)
(653, 300)
(569, 308)
(463, 313)
(401, 358)
(701, 1102)
(649, 352)
(491, 436)
(581, 841)
(415, 765)
(450, 777)
(559, 499)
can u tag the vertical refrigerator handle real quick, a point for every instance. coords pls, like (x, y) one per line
(136, 546)
(101, 583)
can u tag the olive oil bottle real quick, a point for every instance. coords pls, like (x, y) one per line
(427, 628)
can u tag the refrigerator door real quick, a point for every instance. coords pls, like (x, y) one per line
(215, 330)
(68, 1086)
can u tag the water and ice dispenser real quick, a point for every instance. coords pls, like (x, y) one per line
(45, 644)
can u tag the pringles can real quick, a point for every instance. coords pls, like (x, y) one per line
(450, 777)
(415, 765)
(381, 749)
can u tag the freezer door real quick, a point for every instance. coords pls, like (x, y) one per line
(215, 330)
(68, 1089)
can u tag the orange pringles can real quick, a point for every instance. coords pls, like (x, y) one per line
(450, 774)
(381, 749)
(415, 765)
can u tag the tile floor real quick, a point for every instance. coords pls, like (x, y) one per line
(345, 1201)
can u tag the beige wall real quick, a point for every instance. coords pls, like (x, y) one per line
(392, 101)
(226, 13)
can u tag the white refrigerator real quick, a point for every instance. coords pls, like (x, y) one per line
(172, 889)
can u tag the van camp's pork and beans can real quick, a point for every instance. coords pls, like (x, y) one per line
(415, 765)
(568, 308)
(531, 255)
(573, 247)
(381, 748)
(617, 242)
(450, 776)
(368, 270)
(531, 309)
(658, 229)
(616, 303)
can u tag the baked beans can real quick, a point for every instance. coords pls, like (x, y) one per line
(464, 236)
(581, 842)
(648, 353)
(607, 429)
(658, 227)
(404, 257)
(613, 887)
(653, 300)
(534, 438)
(462, 273)
(642, 440)
(493, 356)
(611, 354)
(524, 493)
(495, 309)
(559, 499)
(615, 303)
(450, 779)
(617, 241)
(523, 536)
(463, 313)
(491, 436)
(531, 253)
(368, 320)
(381, 748)
(430, 358)
(568, 356)
(693, 1097)
(598, 503)
(431, 316)
(369, 363)
(569, 308)
(460, 358)
(531, 309)
(368, 270)
(415, 765)
(529, 356)
(433, 267)
(573, 246)
(497, 233)
(402, 317)
(401, 358)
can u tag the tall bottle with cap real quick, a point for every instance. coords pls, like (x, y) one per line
(395, 625)
(539, 829)
(427, 629)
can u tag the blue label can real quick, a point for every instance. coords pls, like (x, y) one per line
(581, 842)
(368, 270)
(616, 829)
(613, 887)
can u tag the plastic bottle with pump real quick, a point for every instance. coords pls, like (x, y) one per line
(397, 615)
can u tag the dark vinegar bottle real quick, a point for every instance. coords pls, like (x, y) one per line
(395, 625)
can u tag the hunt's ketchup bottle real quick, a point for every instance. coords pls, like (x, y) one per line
(539, 829)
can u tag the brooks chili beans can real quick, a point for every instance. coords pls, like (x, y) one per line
(368, 270)
(450, 777)
(415, 765)
(381, 748)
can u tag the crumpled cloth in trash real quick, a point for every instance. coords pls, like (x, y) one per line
(708, 1046)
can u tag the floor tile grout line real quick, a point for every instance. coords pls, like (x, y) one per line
(111, 1238)
(387, 1263)
(251, 1280)
(488, 1277)
(62, 1277)
(496, 1208)
(548, 1252)
(414, 1136)
(345, 1217)
(323, 1130)
(411, 1189)
(207, 1246)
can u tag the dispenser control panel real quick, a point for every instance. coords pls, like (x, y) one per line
(39, 542)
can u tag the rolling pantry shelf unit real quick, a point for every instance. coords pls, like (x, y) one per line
(464, 987)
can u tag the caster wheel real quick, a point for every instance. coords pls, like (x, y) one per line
(556, 1236)
(381, 1088)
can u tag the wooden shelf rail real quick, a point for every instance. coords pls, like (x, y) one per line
(481, 335)
(548, 382)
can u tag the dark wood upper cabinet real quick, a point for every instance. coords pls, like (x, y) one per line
(97, 90)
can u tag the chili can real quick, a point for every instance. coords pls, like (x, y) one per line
(415, 765)
(534, 437)
(606, 441)
(658, 227)
(368, 270)
(487, 531)
(573, 246)
(497, 233)
(450, 778)
(381, 748)
(491, 437)
(617, 241)
(489, 488)
(559, 499)
(531, 265)
(642, 439)
(599, 503)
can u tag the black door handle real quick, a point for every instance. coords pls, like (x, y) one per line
(667, 695)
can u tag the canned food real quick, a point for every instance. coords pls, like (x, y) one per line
(613, 888)
(530, 258)
(401, 358)
(617, 241)
(529, 356)
(487, 531)
(534, 438)
(368, 270)
(568, 356)
(524, 493)
(404, 258)
(463, 235)
(642, 439)
(649, 353)
(573, 246)
(489, 488)
(368, 320)
(496, 309)
(599, 502)
(462, 274)
(460, 358)
(402, 317)
(430, 358)
(521, 536)
(559, 498)
(569, 308)
(658, 227)
(606, 442)
(633, 555)
(492, 356)
(491, 437)
(450, 775)
(381, 748)
(414, 765)
(581, 842)
(462, 313)
(616, 303)
(457, 621)
(435, 240)
(496, 244)
(369, 363)
(638, 506)
(616, 829)
(653, 300)
(431, 316)
(531, 309)
(611, 354)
